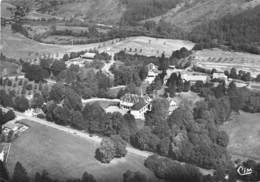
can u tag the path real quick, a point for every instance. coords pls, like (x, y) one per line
(107, 66)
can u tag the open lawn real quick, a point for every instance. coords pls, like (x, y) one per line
(225, 60)
(244, 136)
(66, 156)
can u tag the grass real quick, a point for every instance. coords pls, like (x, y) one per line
(66, 156)
(244, 136)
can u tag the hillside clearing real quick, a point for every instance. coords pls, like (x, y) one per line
(66, 156)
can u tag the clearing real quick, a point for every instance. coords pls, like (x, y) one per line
(244, 136)
(66, 156)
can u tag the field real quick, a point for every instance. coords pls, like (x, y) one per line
(244, 136)
(66, 156)
(17, 46)
(225, 60)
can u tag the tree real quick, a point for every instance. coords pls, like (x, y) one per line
(257, 78)
(106, 152)
(86, 177)
(10, 115)
(95, 118)
(233, 73)
(130, 176)
(77, 120)
(20, 174)
(57, 67)
(222, 139)
(37, 101)
(130, 123)
(57, 92)
(144, 139)
(120, 146)
(236, 100)
(3, 172)
(163, 63)
(65, 57)
(5, 99)
(21, 103)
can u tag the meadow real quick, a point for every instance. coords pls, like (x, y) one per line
(244, 136)
(67, 156)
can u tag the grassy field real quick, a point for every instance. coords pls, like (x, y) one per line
(225, 60)
(244, 136)
(66, 156)
(17, 46)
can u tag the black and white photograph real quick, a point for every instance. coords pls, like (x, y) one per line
(130, 91)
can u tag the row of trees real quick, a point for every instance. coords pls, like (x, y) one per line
(20, 174)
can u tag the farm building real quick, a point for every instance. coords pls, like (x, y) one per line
(88, 55)
(137, 105)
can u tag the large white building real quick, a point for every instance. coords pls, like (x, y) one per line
(88, 55)
(136, 104)
(194, 77)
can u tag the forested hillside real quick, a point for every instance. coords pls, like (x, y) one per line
(140, 10)
(241, 32)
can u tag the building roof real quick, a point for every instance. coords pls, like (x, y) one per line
(89, 55)
(139, 105)
(134, 98)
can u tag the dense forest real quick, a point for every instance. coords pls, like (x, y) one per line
(240, 32)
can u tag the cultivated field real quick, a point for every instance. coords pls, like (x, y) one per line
(225, 60)
(67, 156)
(244, 136)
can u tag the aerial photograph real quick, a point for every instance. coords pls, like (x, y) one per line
(130, 91)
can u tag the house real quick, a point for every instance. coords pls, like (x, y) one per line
(13, 128)
(137, 105)
(88, 55)
(173, 105)
(152, 72)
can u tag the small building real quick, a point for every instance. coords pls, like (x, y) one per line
(88, 55)
(137, 105)
(152, 72)
(220, 76)
(194, 77)
(2, 153)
